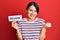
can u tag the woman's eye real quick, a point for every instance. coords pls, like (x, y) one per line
(30, 10)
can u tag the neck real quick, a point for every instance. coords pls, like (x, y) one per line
(30, 19)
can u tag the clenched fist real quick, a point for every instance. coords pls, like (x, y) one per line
(48, 25)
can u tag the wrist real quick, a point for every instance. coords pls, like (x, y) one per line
(17, 30)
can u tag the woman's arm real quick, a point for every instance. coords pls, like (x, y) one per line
(42, 35)
(15, 26)
(19, 36)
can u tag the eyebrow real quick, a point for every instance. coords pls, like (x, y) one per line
(34, 10)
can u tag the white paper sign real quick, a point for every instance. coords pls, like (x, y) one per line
(15, 18)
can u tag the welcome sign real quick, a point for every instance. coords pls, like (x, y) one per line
(15, 18)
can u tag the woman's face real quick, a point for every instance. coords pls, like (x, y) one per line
(32, 13)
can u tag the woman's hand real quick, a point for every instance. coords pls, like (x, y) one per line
(15, 25)
(48, 25)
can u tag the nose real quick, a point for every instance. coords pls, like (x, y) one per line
(32, 12)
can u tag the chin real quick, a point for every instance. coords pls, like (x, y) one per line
(32, 17)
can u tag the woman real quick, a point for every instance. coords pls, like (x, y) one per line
(31, 28)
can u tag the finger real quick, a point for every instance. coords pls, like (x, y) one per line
(48, 24)
(12, 22)
(15, 21)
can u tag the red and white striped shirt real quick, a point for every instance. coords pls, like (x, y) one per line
(31, 30)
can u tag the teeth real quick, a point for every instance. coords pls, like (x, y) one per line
(32, 15)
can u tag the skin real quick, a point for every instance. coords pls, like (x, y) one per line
(32, 13)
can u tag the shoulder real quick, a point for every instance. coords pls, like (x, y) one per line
(40, 19)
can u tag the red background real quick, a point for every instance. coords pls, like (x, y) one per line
(49, 10)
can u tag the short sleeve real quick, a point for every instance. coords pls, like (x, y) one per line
(19, 26)
(42, 22)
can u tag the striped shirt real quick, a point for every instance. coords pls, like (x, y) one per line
(31, 30)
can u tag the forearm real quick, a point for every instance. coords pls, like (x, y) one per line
(19, 36)
(42, 35)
